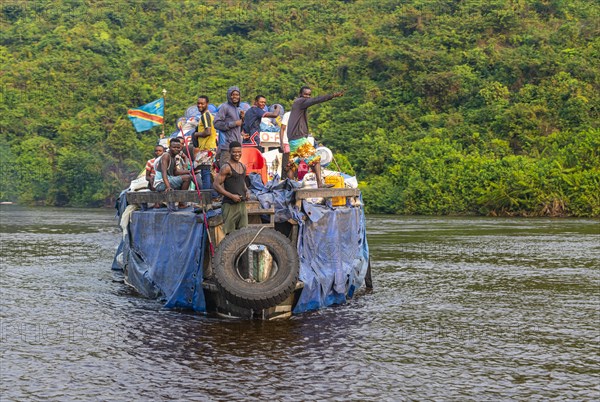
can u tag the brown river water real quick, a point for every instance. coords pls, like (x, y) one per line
(462, 309)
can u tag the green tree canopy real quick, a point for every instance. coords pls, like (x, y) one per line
(450, 107)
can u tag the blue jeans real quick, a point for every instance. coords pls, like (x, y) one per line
(175, 181)
(207, 180)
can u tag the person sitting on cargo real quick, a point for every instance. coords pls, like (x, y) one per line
(183, 165)
(231, 183)
(150, 172)
(185, 127)
(297, 131)
(251, 126)
(168, 177)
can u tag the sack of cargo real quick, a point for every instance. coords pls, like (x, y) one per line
(138, 184)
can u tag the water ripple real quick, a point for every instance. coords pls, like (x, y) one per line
(463, 309)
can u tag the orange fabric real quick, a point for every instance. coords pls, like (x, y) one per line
(255, 162)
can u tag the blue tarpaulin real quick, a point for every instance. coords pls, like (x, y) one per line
(276, 193)
(164, 255)
(332, 244)
(334, 255)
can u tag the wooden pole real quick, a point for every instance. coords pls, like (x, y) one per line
(164, 92)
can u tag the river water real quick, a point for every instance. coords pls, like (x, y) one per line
(463, 309)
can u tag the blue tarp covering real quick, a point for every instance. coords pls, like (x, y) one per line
(334, 255)
(277, 194)
(164, 254)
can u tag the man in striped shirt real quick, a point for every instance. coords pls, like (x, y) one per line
(150, 172)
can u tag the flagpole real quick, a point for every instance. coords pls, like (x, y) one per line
(164, 92)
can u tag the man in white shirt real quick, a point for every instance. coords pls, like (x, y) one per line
(284, 145)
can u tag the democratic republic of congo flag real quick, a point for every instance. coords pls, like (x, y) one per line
(147, 116)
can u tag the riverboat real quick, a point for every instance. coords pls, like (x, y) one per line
(304, 249)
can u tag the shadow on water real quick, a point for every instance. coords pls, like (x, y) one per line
(463, 308)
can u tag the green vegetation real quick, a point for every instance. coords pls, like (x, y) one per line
(484, 107)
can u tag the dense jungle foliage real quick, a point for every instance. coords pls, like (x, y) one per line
(451, 107)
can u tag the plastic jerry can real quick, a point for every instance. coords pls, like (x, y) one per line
(338, 182)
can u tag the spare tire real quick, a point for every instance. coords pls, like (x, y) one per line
(256, 295)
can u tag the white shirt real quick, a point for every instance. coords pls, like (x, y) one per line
(283, 133)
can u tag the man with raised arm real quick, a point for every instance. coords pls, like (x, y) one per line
(297, 130)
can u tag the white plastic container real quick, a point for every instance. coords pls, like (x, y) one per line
(325, 154)
(310, 181)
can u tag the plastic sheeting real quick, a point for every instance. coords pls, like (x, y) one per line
(163, 255)
(277, 194)
(334, 255)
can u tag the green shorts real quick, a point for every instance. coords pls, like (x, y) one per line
(234, 216)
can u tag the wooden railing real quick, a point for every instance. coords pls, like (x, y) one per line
(303, 194)
(144, 198)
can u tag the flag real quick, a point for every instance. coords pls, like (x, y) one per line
(147, 116)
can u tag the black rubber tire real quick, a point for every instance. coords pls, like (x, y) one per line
(258, 295)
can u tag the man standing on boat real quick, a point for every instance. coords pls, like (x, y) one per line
(205, 144)
(251, 126)
(231, 183)
(297, 130)
(284, 145)
(229, 121)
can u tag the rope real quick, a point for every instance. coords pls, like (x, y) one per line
(336, 164)
(252, 241)
(187, 148)
(244, 251)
